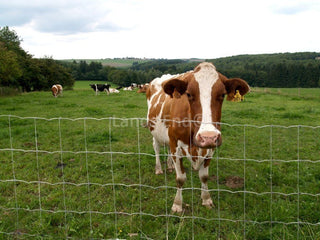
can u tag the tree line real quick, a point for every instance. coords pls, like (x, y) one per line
(283, 70)
(139, 73)
(18, 69)
(287, 70)
(94, 70)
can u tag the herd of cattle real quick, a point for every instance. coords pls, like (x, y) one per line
(107, 88)
(184, 114)
(56, 89)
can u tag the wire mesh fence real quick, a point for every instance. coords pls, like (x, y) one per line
(94, 178)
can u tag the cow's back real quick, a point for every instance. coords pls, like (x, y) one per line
(158, 110)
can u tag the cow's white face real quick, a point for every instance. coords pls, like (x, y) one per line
(205, 93)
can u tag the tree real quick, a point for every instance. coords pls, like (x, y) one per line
(11, 41)
(19, 70)
(10, 69)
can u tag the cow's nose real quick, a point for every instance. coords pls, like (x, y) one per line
(209, 139)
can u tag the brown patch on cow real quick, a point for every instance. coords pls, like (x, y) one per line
(175, 87)
(150, 91)
(197, 69)
(176, 94)
(180, 182)
(234, 182)
(159, 99)
(207, 162)
(204, 178)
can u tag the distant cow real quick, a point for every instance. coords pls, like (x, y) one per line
(100, 88)
(143, 88)
(184, 113)
(56, 90)
(113, 90)
(130, 88)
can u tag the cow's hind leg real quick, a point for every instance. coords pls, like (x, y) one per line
(156, 147)
(204, 175)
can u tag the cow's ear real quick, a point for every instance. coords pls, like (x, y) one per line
(175, 87)
(234, 84)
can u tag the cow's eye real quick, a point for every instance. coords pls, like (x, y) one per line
(190, 97)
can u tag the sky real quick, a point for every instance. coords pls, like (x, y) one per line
(205, 29)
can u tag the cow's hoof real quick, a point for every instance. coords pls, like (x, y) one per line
(159, 171)
(170, 170)
(176, 208)
(208, 203)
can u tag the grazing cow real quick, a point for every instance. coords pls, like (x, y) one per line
(56, 90)
(100, 88)
(184, 112)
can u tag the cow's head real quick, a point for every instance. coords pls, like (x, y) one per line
(204, 90)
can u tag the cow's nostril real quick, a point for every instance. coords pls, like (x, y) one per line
(201, 138)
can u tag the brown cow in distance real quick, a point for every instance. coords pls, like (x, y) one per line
(56, 90)
(184, 112)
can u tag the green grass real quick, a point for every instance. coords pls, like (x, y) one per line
(79, 138)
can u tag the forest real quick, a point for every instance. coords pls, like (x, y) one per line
(282, 70)
(20, 70)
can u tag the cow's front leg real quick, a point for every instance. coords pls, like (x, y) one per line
(170, 164)
(180, 179)
(156, 147)
(204, 176)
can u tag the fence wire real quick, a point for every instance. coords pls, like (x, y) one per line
(94, 178)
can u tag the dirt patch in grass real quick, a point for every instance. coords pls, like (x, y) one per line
(230, 181)
(234, 182)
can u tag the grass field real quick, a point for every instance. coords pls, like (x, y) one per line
(81, 166)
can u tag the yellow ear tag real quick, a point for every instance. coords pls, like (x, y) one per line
(237, 97)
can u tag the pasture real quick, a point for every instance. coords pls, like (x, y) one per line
(81, 166)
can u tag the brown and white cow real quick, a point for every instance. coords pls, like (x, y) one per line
(184, 112)
(56, 90)
(143, 88)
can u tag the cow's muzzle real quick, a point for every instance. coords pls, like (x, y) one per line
(208, 139)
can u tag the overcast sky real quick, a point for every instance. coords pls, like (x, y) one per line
(78, 29)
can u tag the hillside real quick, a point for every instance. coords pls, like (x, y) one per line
(263, 70)
(273, 70)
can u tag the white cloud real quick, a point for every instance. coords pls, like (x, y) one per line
(163, 28)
